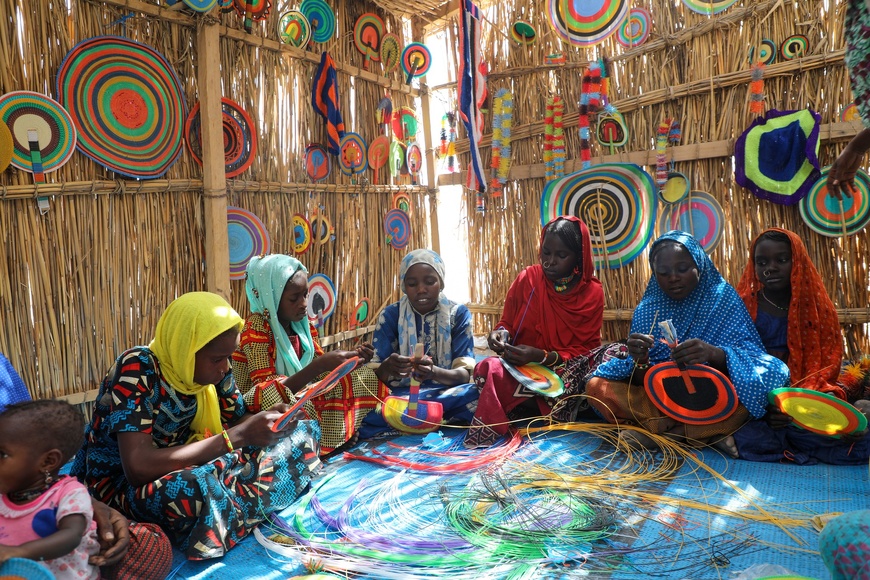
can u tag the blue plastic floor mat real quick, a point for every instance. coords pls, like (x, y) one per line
(697, 523)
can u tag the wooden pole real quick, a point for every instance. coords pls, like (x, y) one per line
(214, 180)
(431, 178)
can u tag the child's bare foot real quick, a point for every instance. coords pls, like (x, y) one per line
(637, 440)
(728, 447)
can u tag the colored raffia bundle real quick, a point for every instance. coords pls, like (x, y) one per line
(447, 151)
(554, 139)
(756, 89)
(502, 114)
(661, 148)
(855, 378)
(593, 89)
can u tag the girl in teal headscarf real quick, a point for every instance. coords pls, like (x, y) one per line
(278, 353)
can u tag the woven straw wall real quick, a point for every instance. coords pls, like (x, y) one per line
(694, 68)
(92, 276)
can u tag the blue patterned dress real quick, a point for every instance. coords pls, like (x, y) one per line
(205, 509)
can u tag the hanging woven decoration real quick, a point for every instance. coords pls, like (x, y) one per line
(472, 93)
(708, 7)
(391, 52)
(252, 10)
(554, 139)
(699, 214)
(321, 17)
(447, 151)
(247, 237)
(593, 86)
(502, 115)
(661, 152)
(240, 138)
(636, 28)
(367, 34)
(766, 52)
(586, 22)
(795, 46)
(294, 29)
(756, 89)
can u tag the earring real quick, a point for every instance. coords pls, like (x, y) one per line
(576, 269)
(48, 479)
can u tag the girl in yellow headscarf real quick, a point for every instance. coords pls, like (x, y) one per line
(170, 440)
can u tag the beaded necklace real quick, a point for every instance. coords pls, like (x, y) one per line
(561, 284)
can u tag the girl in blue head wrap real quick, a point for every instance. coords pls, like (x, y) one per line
(713, 328)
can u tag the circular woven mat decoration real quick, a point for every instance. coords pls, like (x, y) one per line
(795, 46)
(321, 299)
(247, 238)
(321, 228)
(24, 569)
(397, 227)
(317, 163)
(416, 57)
(240, 142)
(850, 113)
(259, 8)
(402, 201)
(391, 52)
(586, 22)
(294, 29)
(379, 153)
(6, 146)
(321, 17)
(414, 158)
(200, 5)
(822, 212)
(35, 118)
(367, 34)
(301, 234)
(635, 30)
(767, 52)
(360, 313)
(699, 214)
(523, 32)
(708, 7)
(404, 124)
(397, 159)
(818, 412)
(127, 105)
(612, 130)
(706, 397)
(675, 189)
(353, 154)
(617, 201)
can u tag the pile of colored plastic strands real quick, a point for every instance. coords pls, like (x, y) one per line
(449, 457)
(593, 87)
(661, 149)
(756, 89)
(502, 118)
(576, 507)
(554, 139)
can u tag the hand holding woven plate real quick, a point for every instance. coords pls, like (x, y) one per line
(256, 429)
(522, 354)
(424, 369)
(697, 352)
(497, 339)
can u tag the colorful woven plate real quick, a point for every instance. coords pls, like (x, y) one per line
(127, 105)
(795, 46)
(850, 113)
(294, 29)
(586, 22)
(40, 135)
(24, 569)
(321, 17)
(195, 5)
(391, 52)
(523, 32)
(352, 158)
(397, 227)
(818, 412)
(367, 34)
(708, 6)
(635, 30)
(675, 189)
(301, 234)
(247, 237)
(426, 418)
(402, 201)
(699, 214)
(767, 52)
(321, 387)
(618, 203)
(706, 397)
(826, 216)
(259, 9)
(317, 163)
(416, 60)
(404, 123)
(414, 158)
(537, 378)
(612, 130)
(360, 313)
(379, 153)
(321, 228)
(321, 299)
(397, 159)
(240, 141)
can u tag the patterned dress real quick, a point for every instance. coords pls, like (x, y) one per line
(857, 32)
(206, 509)
(340, 411)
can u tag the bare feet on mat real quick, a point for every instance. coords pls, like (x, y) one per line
(637, 440)
(728, 447)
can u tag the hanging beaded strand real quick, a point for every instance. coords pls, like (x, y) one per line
(501, 140)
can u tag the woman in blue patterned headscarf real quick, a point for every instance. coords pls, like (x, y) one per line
(713, 328)
(424, 315)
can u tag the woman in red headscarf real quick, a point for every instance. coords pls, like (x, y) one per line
(552, 316)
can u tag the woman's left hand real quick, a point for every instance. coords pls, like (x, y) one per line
(424, 369)
(113, 531)
(365, 351)
(696, 352)
(519, 355)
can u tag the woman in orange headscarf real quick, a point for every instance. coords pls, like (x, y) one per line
(797, 322)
